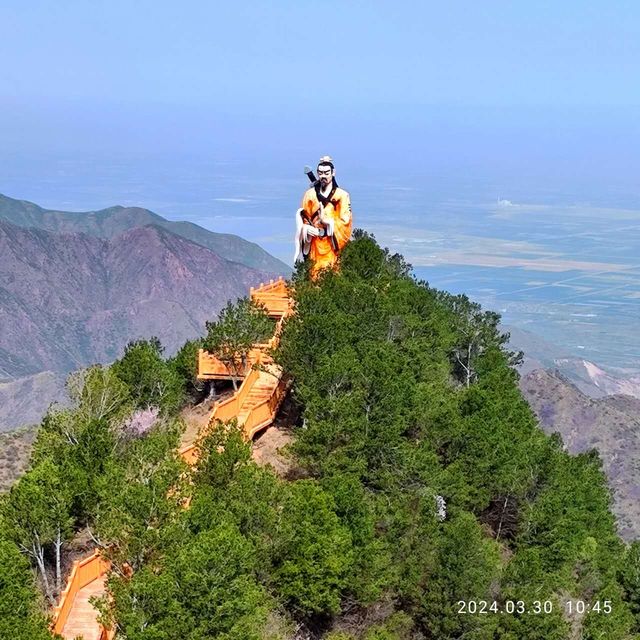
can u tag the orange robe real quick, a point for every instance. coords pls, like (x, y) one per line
(321, 252)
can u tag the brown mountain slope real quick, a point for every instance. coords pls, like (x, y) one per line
(627, 404)
(23, 401)
(610, 424)
(111, 222)
(68, 300)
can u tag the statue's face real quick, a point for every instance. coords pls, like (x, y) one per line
(325, 174)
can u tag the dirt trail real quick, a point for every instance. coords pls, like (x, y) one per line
(196, 418)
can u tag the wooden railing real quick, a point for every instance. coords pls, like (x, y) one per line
(223, 410)
(210, 368)
(274, 296)
(107, 634)
(84, 572)
(229, 409)
(279, 285)
(262, 414)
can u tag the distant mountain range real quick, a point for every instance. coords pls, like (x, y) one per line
(75, 288)
(69, 299)
(112, 222)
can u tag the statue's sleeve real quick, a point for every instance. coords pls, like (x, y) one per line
(343, 221)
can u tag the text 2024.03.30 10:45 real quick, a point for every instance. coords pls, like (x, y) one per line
(474, 607)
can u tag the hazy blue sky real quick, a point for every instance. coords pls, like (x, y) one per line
(455, 84)
(363, 52)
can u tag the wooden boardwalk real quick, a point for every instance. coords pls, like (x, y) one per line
(82, 618)
(254, 405)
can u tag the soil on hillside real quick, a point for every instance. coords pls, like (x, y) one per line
(269, 445)
(196, 416)
(268, 449)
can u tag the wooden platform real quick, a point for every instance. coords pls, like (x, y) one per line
(274, 295)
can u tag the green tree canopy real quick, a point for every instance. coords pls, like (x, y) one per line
(238, 327)
(20, 611)
(150, 379)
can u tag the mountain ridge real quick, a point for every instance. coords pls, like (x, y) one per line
(75, 298)
(112, 221)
